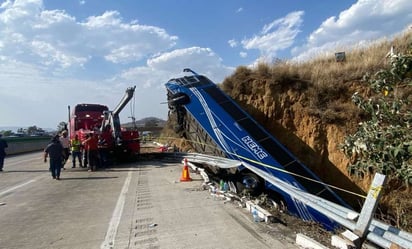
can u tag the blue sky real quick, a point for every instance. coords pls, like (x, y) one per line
(59, 53)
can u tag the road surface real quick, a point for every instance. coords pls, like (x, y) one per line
(138, 205)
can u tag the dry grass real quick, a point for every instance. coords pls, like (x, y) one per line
(396, 206)
(328, 84)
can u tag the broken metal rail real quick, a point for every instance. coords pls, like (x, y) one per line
(378, 232)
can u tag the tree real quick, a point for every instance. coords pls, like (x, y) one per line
(31, 130)
(384, 143)
(6, 133)
(62, 126)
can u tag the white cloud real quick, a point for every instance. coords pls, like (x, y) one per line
(232, 43)
(56, 39)
(50, 55)
(201, 60)
(150, 78)
(126, 53)
(34, 99)
(109, 18)
(5, 4)
(45, 55)
(277, 35)
(239, 10)
(364, 21)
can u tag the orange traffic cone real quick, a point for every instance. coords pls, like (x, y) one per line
(185, 173)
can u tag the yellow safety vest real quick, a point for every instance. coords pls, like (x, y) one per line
(75, 145)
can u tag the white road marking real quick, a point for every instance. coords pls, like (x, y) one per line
(19, 162)
(16, 187)
(117, 214)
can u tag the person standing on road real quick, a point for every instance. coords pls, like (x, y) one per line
(55, 152)
(76, 145)
(91, 148)
(103, 148)
(3, 146)
(65, 142)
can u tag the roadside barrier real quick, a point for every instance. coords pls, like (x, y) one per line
(381, 234)
(26, 144)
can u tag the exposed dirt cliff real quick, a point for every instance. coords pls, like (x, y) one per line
(284, 110)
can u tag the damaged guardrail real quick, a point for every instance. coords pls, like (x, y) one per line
(361, 225)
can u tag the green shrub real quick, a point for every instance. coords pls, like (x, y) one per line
(384, 143)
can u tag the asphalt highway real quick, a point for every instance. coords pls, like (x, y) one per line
(136, 205)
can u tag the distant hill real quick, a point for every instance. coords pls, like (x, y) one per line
(147, 122)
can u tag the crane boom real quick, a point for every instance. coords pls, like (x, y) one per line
(112, 118)
(126, 98)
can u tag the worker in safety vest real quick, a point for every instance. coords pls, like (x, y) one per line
(76, 148)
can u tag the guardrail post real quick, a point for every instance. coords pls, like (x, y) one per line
(369, 206)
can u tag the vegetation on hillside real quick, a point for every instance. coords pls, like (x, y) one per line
(383, 143)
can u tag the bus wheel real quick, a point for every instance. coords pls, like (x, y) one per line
(246, 183)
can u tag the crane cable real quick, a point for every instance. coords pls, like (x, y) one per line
(132, 110)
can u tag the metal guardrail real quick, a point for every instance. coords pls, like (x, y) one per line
(214, 161)
(381, 234)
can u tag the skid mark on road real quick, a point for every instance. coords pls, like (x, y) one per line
(144, 230)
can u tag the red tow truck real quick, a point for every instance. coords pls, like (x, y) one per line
(122, 143)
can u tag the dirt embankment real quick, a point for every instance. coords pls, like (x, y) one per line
(286, 115)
